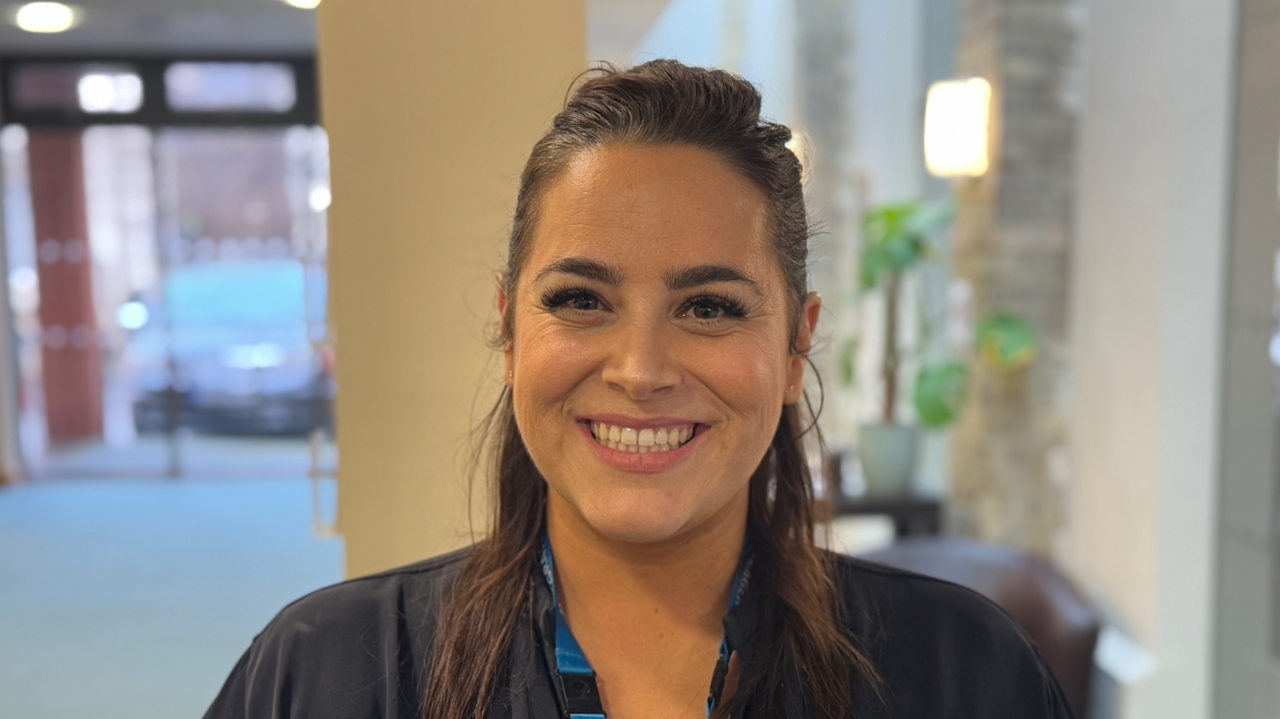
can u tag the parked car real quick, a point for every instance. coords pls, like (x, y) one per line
(228, 347)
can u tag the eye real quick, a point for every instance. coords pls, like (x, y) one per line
(582, 303)
(710, 308)
(575, 300)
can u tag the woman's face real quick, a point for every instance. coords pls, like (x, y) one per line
(651, 349)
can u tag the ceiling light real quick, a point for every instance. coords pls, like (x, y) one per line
(956, 119)
(45, 17)
(304, 4)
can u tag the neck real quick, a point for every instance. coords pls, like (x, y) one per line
(684, 579)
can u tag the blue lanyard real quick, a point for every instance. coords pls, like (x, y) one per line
(577, 678)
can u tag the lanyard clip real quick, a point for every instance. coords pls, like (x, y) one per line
(582, 696)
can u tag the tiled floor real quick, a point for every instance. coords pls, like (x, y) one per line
(134, 599)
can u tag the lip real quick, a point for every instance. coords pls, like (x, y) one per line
(635, 463)
(637, 423)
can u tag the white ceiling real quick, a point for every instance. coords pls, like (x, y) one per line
(170, 26)
(615, 28)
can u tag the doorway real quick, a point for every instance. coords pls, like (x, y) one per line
(165, 232)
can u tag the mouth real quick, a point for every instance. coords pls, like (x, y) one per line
(642, 440)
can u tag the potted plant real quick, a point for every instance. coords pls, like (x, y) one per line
(896, 242)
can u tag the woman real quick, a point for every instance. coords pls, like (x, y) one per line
(652, 550)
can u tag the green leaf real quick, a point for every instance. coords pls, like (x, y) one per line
(939, 394)
(903, 251)
(871, 267)
(1007, 343)
(895, 238)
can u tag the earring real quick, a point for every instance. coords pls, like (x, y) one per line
(511, 374)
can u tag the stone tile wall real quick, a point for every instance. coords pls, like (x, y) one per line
(1013, 243)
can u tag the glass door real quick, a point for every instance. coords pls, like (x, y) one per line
(168, 282)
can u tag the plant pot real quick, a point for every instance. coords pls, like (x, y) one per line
(888, 455)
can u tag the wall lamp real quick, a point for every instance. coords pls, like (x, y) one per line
(956, 120)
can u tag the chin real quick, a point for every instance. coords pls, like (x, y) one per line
(636, 520)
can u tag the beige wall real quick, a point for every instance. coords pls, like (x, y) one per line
(1147, 290)
(431, 108)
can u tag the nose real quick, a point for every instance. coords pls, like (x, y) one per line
(640, 363)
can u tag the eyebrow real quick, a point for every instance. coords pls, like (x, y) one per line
(680, 279)
(698, 275)
(590, 269)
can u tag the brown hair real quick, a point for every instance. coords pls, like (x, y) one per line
(661, 103)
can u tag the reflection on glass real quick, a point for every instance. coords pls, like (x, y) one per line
(76, 87)
(230, 87)
(109, 92)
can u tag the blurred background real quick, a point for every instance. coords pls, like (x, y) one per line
(1046, 232)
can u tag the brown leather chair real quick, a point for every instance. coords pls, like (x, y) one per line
(1062, 623)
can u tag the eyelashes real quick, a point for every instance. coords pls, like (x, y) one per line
(705, 307)
(574, 298)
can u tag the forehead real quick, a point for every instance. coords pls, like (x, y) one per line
(647, 209)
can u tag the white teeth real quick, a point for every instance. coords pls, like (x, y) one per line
(641, 441)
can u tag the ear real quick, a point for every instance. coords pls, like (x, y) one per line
(804, 343)
(500, 296)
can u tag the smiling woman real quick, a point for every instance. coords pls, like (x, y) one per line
(652, 548)
(654, 300)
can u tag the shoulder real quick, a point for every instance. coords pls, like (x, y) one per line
(340, 649)
(417, 589)
(938, 645)
(884, 594)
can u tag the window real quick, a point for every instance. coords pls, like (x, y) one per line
(156, 92)
(65, 87)
(119, 92)
(230, 86)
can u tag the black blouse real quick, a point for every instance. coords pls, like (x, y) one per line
(359, 650)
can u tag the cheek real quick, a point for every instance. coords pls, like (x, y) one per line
(548, 365)
(748, 373)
